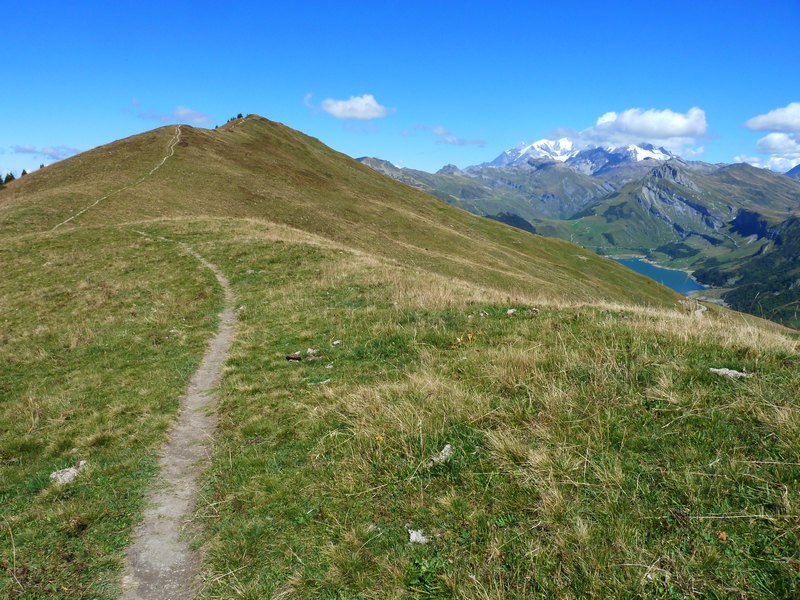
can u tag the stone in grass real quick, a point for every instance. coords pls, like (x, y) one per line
(511, 312)
(294, 357)
(442, 456)
(730, 373)
(416, 536)
(65, 476)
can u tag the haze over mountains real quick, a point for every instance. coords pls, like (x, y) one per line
(642, 200)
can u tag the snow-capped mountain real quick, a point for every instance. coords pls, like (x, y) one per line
(559, 150)
(645, 151)
(592, 161)
(564, 150)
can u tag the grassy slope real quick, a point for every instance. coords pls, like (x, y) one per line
(594, 453)
(566, 477)
(101, 331)
(262, 169)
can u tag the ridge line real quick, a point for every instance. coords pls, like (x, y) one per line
(171, 152)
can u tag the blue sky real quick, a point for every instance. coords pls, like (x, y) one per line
(419, 83)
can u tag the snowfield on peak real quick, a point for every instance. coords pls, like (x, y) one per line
(563, 149)
(639, 153)
(559, 150)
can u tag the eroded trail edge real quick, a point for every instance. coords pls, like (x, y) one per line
(159, 562)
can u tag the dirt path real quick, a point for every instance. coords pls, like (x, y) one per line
(170, 152)
(159, 562)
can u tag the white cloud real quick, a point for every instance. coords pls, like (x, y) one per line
(362, 108)
(457, 141)
(51, 152)
(609, 117)
(187, 115)
(782, 144)
(778, 143)
(673, 130)
(445, 136)
(780, 164)
(694, 151)
(780, 119)
(181, 114)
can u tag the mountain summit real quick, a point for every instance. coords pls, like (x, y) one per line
(559, 150)
(259, 169)
(564, 150)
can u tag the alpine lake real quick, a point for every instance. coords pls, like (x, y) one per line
(680, 281)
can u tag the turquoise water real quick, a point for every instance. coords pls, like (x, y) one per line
(677, 280)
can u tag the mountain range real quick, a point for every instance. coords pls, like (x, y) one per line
(711, 219)
(294, 377)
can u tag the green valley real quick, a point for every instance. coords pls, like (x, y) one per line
(694, 216)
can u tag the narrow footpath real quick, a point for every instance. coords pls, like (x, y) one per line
(159, 563)
(170, 153)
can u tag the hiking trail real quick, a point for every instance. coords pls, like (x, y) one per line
(159, 563)
(170, 152)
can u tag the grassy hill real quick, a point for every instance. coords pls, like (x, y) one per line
(593, 452)
(260, 169)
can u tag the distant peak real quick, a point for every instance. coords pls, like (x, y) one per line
(563, 149)
(641, 152)
(559, 150)
(448, 170)
(794, 172)
(672, 170)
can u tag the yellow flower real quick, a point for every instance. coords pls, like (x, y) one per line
(379, 438)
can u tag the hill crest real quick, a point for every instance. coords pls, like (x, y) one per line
(255, 168)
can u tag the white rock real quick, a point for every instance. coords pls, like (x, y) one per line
(728, 373)
(415, 536)
(312, 351)
(65, 476)
(442, 456)
(511, 312)
(337, 342)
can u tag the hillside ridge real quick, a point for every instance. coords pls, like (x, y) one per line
(257, 168)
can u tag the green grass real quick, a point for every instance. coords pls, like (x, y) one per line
(594, 453)
(101, 332)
